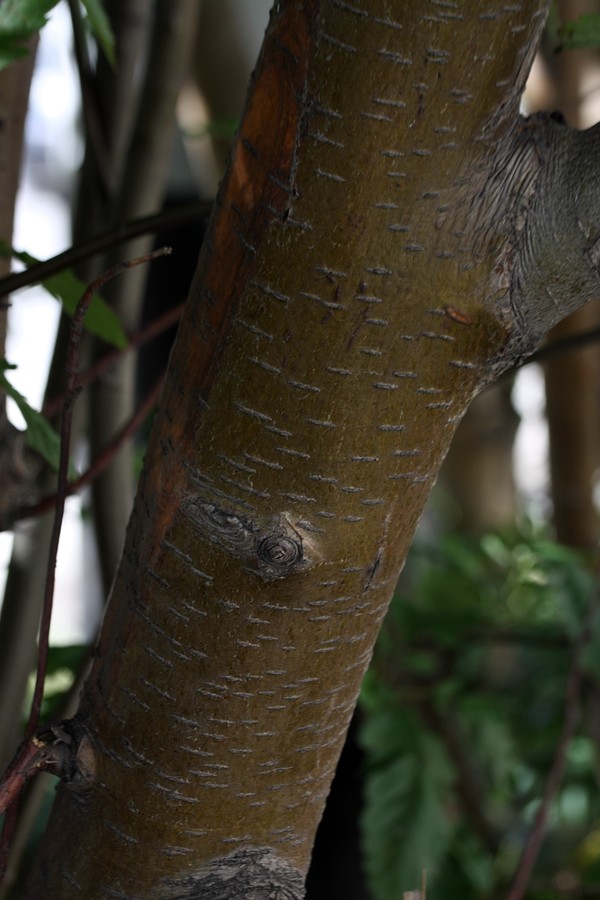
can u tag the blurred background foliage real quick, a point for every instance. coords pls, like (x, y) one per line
(462, 713)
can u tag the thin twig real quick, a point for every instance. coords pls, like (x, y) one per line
(33, 756)
(467, 782)
(51, 750)
(154, 328)
(571, 718)
(103, 459)
(73, 390)
(573, 342)
(181, 215)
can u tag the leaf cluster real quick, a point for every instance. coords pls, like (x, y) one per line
(462, 710)
(100, 320)
(20, 20)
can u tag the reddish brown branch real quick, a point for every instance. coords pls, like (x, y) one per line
(33, 756)
(102, 461)
(181, 215)
(62, 749)
(137, 339)
(36, 754)
(73, 390)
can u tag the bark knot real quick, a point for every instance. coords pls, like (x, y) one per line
(272, 549)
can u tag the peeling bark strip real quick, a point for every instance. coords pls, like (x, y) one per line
(382, 245)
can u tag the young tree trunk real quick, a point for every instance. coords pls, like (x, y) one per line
(386, 240)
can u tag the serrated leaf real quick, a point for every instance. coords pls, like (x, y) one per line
(40, 435)
(19, 21)
(406, 825)
(580, 33)
(101, 28)
(100, 319)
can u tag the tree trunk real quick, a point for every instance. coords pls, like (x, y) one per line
(385, 241)
(477, 475)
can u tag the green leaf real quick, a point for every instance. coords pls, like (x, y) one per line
(101, 28)
(41, 436)
(68, 289)
(99, 319)
(406, 823)
(468, 872)
(580, 33)
(218, 128)
(19, 21)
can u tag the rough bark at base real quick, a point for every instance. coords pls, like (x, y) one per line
(249, 874)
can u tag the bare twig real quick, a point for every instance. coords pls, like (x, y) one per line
(467, 782)
(181, 215)
(570, 721)
(73, 390)
(33, 756)
(103, 459)
(35, 753)
(138, 339)
(572, 342)
(55, 750)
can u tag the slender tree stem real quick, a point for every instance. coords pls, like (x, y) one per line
(33, 754)
(572, 342)
(73, 390)
(102, 461)
(32, 757)
(141, 337)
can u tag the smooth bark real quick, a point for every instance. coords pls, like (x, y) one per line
(389, 237)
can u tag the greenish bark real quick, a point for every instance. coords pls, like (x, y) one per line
(385, 242)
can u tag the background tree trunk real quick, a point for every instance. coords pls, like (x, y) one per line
(573, 378)
(18, 466)
(384, 243)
